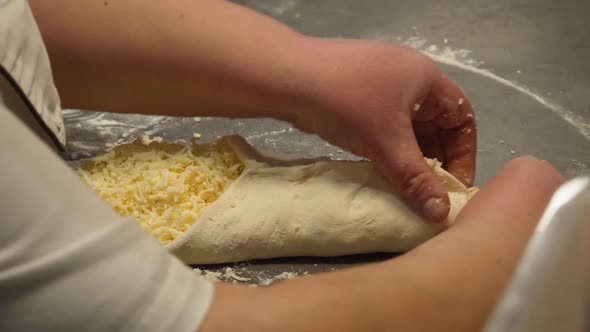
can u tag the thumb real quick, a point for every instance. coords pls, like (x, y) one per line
(401, 161)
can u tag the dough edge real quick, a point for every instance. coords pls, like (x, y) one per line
(245, 224)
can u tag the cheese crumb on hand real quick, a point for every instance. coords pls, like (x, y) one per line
(165, 190)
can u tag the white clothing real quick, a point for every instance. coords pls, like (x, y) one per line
(68, 262)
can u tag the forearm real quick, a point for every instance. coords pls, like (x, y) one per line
(177, 57)
(450, 283)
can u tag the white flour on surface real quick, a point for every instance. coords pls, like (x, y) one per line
(209, 275)
(461, 58)
(275, 7)
(270, 133)
(232, 275)
(282, 276)
(110, 127)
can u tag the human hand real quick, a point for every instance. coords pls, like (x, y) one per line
(359, 95)
(450, 283)
(388, 102)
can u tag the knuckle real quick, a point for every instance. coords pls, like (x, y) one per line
(418, 186)
(523, 163)
(528, 165)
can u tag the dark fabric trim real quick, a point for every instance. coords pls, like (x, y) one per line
(25, 99)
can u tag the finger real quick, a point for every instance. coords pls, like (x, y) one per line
(459, 152)
(430, 141)
(402, 163)
(441, 103)
(431, 147)
(459, 131)
(497, 222)
(518, 194)
(491, 232)
(455, 108)
(426, 110)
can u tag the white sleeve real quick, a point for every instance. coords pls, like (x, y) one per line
(69, 263)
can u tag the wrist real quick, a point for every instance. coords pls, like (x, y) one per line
(332, 75)
(308, 91)
(293, 82)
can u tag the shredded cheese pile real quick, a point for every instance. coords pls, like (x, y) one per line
(166, 191)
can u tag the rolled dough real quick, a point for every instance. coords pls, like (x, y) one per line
(280, 208)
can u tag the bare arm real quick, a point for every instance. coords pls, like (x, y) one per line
(176, 57)
(212, 57)
(450, 283)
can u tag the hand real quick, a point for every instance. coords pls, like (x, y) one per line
(360, 95)
(385, 102)
(450, 283)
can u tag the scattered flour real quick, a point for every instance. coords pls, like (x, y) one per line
(276, 7)
(209, 275)
(461, 58)
(271, 133)
(282, 276)
(107, 124)
(230, 273)
(254, 279)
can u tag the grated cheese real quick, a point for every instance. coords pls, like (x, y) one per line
(165, 188)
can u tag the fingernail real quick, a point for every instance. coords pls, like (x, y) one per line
(435, 209)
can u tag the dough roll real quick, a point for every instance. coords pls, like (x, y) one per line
(281, 208)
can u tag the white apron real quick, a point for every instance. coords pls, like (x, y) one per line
(68, 262)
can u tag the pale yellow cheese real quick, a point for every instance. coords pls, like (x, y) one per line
(165, 189)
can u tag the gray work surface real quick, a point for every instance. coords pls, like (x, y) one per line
(527, 75)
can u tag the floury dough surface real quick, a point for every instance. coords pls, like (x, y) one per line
(279, 208)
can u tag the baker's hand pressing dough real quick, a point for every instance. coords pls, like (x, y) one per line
(308, 208)
(206, 206)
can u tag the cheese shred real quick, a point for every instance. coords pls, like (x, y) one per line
(165, 188)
